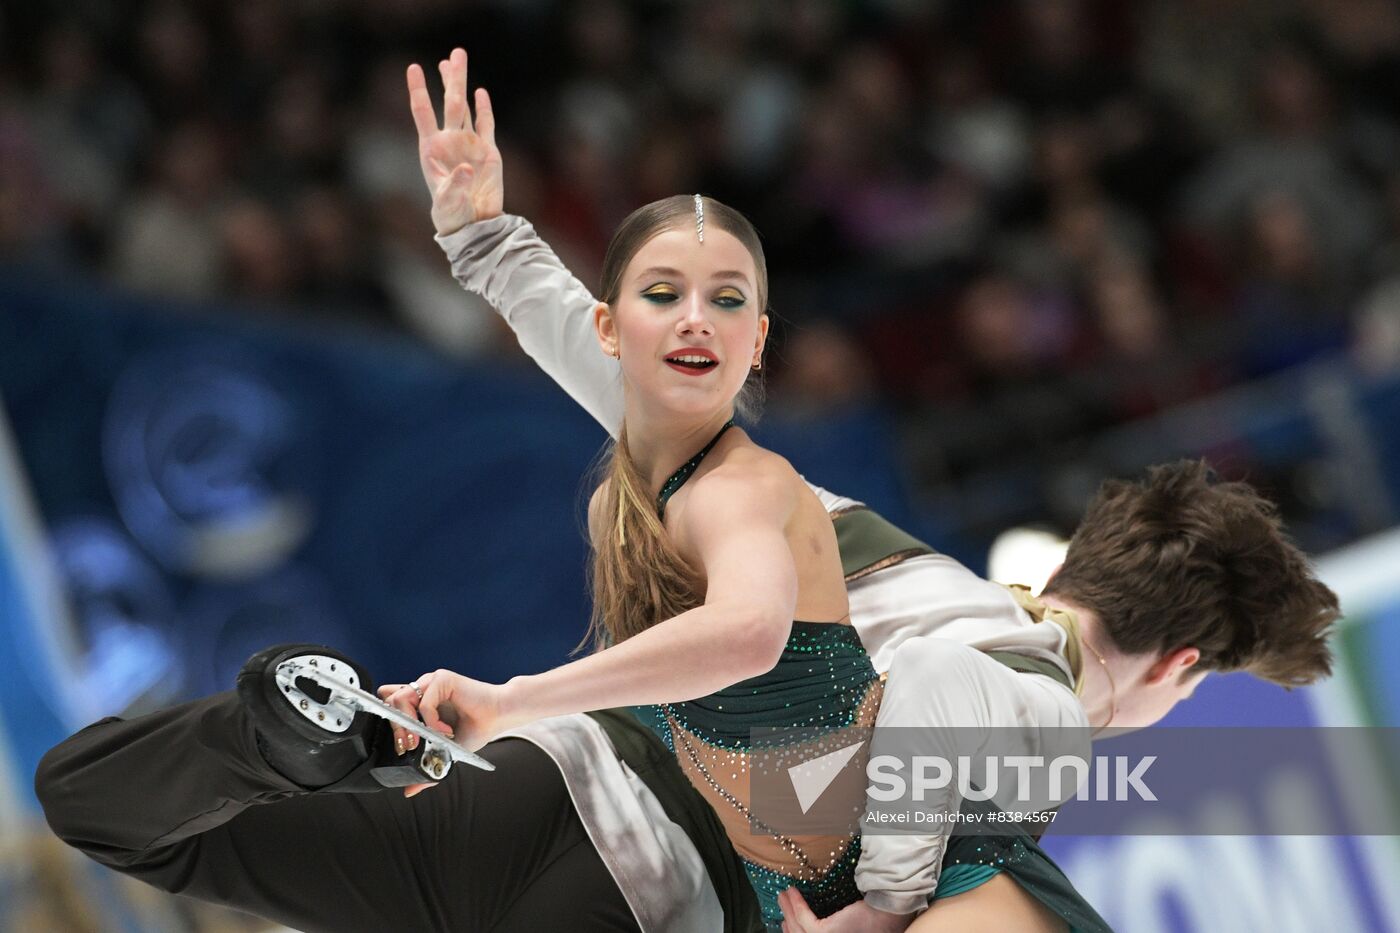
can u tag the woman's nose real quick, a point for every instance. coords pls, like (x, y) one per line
(696, 318)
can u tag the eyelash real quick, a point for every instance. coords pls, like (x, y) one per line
(665, 298)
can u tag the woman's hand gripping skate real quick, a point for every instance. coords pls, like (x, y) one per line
(465, 710)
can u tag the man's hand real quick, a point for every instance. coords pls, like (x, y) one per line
(460, 161)
(855, 918)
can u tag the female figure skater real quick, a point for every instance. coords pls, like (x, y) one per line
(706, 547)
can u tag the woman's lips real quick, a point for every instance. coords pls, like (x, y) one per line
(693, 361)
(691, 370)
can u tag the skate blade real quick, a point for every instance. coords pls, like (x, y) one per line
(438, 750)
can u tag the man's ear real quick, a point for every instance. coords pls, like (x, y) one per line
(1173, 664)
(606, 329)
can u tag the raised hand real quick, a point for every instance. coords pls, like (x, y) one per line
(460, 161)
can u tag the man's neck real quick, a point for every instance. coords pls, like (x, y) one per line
(1106, 672)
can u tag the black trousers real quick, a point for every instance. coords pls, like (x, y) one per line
(183, 800)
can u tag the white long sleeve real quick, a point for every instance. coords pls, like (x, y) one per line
(551, 312)
(954, 694)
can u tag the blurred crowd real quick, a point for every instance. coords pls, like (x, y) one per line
(1065, 213)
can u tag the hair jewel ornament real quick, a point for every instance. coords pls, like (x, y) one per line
(700, 218)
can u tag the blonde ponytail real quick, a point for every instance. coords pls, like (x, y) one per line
(638, 578)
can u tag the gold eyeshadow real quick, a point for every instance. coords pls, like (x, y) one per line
(662, 290)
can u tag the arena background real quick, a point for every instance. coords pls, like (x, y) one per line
(1016, 247)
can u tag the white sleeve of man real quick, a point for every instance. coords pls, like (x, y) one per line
(551, 312)
(936, 684)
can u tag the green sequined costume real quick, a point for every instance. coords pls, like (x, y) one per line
(822, 680)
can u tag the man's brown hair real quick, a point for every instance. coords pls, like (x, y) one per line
(1179, 559)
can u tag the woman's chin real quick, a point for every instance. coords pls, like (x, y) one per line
(691, 402)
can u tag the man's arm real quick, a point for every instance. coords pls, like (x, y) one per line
(505, 261)
(950, 696)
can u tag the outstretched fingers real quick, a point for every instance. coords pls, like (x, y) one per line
(420, 104)
(455, 113)
(454, 84)
(485, 117)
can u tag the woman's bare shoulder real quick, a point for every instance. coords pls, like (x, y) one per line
(750, 471)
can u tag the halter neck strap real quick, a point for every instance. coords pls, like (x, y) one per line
(679, 477)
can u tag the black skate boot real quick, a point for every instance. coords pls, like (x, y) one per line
(318, 724)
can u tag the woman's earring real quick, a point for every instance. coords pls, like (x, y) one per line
(757, 365)
(613, 352)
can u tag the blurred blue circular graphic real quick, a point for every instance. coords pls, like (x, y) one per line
(209, 463)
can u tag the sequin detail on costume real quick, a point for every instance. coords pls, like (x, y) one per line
(973, 860)
(823, 681)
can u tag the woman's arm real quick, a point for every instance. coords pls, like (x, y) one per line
(499, 256)
(551, 312)
(735, 525)
(994, 906)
